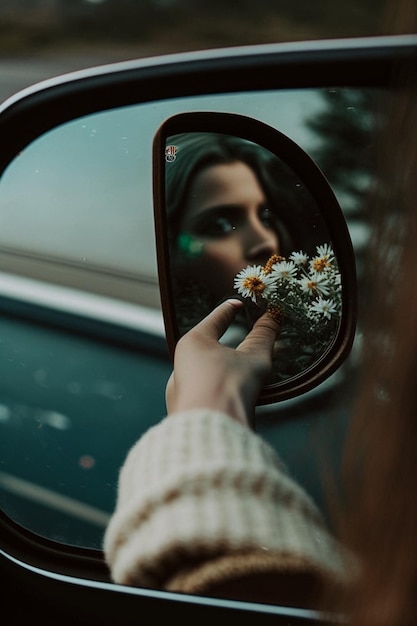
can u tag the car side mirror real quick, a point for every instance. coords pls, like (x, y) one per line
(242, 210)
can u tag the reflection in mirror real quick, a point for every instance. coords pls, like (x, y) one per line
(240, 221)
(81, 226)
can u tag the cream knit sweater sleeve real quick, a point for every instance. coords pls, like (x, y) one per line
(203, 499)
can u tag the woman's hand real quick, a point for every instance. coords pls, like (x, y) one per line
(210, 375)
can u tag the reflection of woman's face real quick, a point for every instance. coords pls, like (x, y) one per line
(227, 212)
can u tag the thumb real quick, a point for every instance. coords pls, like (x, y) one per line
(262, 336)
(218, 321)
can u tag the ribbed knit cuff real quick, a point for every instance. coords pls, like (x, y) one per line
(200, 486)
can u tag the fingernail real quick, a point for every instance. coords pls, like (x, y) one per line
(235, 302)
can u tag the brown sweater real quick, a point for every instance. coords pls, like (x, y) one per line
(205, 506)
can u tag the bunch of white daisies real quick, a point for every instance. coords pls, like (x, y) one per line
(303, 293)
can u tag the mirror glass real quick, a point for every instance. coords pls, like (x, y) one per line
(77, 249)
(240, 221)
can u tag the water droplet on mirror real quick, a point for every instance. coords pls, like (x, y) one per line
(86, 461)
(54, 419)
(5, 413)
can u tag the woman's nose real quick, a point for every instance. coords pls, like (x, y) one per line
(262, 242)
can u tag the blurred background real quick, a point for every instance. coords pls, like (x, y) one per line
(44, 38)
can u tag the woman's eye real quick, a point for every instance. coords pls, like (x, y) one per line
(219, 226)
(267, 217)
(224, 225)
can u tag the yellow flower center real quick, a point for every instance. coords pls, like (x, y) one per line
(320, 264)
(312, 285)
(275, 258)
(254, 284)
(275, 312)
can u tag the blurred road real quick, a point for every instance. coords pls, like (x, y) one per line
(18, 73)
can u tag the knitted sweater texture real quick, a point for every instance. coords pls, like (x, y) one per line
(205, 506)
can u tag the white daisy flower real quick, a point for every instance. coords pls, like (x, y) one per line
(324, 307)
(315, 284)
(320, 264)
(253, 283)
(324, 259)
(285, 270)
(299, 258)
(325, 250)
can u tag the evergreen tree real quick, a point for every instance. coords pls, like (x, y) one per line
(346, 148)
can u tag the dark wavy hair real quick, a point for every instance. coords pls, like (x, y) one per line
(379, 522)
